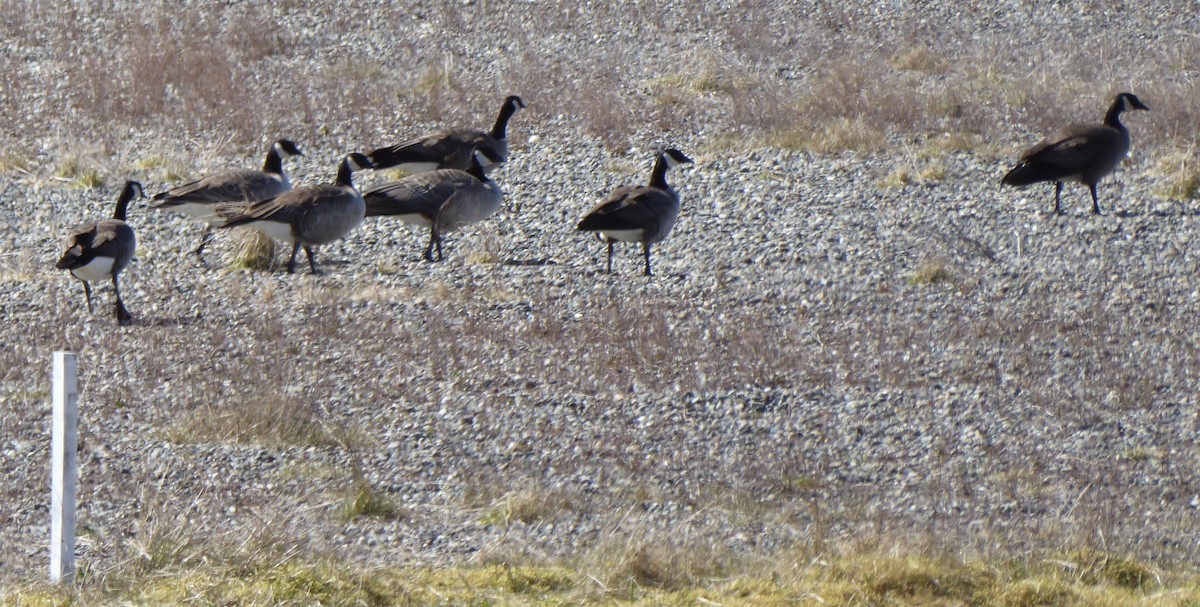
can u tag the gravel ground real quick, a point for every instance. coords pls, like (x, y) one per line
(818, 358)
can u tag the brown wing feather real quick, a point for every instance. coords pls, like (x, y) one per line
(1073, 147)
(421, 193)
(451, 148)
(287, 206)
(627, 208)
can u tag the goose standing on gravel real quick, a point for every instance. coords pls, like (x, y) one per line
(1078, 152)
(452, 148)
(442, 200)
(310, 215)
(97, 250)
(643, 213)
(218, 197)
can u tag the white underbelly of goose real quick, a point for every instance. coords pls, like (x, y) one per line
(274, 229)
(200, 211)
(416, 219)
(624, 235)
(418, 167)
(99, 268)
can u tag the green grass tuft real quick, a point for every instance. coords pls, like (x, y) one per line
(1181, 174)
(253, 251)
(932, 272)
(631, 571)
(366, 502)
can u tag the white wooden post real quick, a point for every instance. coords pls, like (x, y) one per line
(64, 440)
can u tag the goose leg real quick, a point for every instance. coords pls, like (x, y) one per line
(610, 250)
(312, 260)
(292, 261)
(1057, 197)
(433, 239)
(1095, 202)
(123, 315)
(206, 238)
(87, 291)
(646, 252)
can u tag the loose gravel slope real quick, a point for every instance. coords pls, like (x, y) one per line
(820, 356)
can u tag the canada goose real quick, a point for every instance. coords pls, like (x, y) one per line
(643, 213)
(1078, 152)
(101, 249)
(310, 215)
(451, 148)
(218, 197)
(442, 200)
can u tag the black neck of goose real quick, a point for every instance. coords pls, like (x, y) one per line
(123, 202)
(499, 130)
(658, 175)
(274, 162)
(1113, 117)
(344, 174)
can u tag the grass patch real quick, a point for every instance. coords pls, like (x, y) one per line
(910, 173)
(659, 563)
(78, 173)
(838, 135)
(162, 169)
(501, 507)
(660, 572)
(1181, 175)
(367, 502)
(1136, 454)
(24, 272)
(920, 58)
(706, 79)
(253, 251)
(262, 418)
(12, 162)
(484, 256)
(931, 272)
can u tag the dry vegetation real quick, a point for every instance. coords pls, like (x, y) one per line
(653, 571)
(813, 84)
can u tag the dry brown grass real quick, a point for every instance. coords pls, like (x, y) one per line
(184, 71)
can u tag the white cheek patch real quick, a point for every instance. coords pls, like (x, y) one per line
(672, 162)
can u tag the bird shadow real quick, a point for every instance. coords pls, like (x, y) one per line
(530, 262)
(1157, 213)
(176, 321)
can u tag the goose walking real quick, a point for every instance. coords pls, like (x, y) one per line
(99, 250)
(218, 197)
(442, 200)
(452, 148)
(310, 215)
(1078, 152)
(644, 213)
